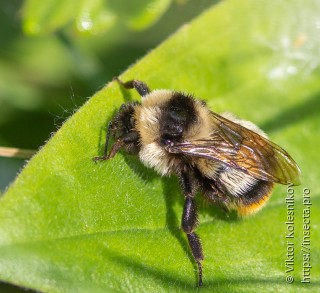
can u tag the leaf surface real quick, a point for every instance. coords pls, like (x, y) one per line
(70, 225)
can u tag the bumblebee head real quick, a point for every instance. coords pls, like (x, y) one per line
(123, 122)
(121, 128)
(178, 114)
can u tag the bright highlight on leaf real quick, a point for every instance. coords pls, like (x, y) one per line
(68, 224)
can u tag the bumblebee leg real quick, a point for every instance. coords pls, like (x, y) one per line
(128, 138)
(196, 248)
(105, 151)
(140, 86)
(190, 221)
(114, 149)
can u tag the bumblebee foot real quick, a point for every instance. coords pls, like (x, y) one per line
(102, 158)
(199, 274)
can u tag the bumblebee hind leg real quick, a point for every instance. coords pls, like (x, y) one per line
(189, 221)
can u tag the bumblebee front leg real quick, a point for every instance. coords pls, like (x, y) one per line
(127, 139)
(190, 221)
(140, 86)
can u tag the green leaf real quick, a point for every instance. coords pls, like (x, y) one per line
(94, 17)
(139, 14)
(46, 16)
(90, 16)
(68, 224)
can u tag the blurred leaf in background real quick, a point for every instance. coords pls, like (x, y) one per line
(91, 16)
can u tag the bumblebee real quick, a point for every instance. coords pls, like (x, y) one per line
(227, 160)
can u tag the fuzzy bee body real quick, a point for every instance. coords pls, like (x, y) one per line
(228, 160)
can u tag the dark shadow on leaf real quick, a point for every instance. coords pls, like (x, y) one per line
(102, 134)
(10, 288)
(146, 174)
(294, 114)
(126, 93)
(171, 196)
(216, 285)
(146, 270)
(216, 212)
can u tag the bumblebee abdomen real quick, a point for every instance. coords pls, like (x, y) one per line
(237, 190)
(255, 198)
(247, 194)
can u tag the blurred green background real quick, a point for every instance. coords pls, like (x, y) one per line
(48, 71)
(45, 75)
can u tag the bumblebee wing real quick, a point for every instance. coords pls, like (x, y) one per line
(243, 149)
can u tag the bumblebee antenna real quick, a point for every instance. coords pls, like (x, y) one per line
(138, 85)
